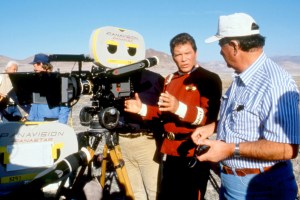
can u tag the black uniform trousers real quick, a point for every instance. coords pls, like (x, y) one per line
(179, 181)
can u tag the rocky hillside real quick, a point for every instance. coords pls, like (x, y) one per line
(164, 67)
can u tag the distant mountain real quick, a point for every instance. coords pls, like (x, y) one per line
(165, 65)
(294, 59)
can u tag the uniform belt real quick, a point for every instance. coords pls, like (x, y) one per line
(135, 134)
(177, 136)
(247, 171)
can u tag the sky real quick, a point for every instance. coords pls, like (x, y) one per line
(28, 27)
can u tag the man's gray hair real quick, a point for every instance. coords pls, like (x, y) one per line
(10, 63)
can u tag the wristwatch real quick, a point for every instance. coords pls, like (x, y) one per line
(236, 152)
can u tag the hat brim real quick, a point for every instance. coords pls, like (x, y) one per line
(213, 39)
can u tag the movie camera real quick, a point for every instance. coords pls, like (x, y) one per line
(108, 88)
(117, 58)
(109, 82)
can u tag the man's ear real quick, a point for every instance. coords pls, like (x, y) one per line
(235, 44)
(47, 67)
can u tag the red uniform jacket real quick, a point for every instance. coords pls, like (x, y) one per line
(200, 88)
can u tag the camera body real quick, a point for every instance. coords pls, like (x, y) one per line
(117, 56)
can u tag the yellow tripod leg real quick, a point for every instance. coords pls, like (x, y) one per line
(103, 166)
(116, 157)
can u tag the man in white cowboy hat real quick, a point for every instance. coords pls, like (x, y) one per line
(258, 130)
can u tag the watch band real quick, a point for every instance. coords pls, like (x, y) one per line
(236, 152)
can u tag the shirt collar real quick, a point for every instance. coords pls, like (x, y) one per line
(248, 74)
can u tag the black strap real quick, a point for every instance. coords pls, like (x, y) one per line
(10, 117)
(48, 119)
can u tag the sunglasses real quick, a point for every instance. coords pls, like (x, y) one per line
(199, 150)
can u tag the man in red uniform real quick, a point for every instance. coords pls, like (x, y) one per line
(191, 98)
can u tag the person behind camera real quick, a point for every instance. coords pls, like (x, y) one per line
(9, 110)
(258, 131)
(191, 98)
(42, 111)
(139, 143)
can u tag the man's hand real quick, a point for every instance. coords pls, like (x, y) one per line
(167, 102)
(3, 101)
(133, 105)
(218, 150)
(2, 97)
(203, 132)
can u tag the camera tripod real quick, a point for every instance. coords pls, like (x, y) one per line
(110, 159)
